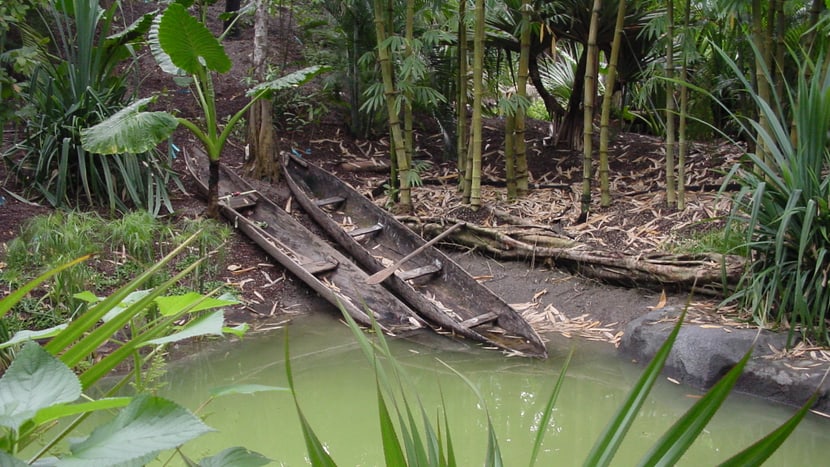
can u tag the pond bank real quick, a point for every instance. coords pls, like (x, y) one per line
(640, 320)
(702, 354)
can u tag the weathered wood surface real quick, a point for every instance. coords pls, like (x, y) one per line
(449, 298)
(707, 273)
(313, 260)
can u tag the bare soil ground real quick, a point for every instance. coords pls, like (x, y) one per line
(637, 221)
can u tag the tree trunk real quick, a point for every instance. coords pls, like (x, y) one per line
(572, 125)
(510, 122)
(262, 158)
(605, 191)
(591, 65)
(231, 6)
(409, 143)
(213, 189)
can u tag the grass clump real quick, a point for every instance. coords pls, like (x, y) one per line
(124, 249)
(717, 240)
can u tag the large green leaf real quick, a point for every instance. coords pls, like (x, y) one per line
(192, 302)
(27, 335)
(190, 44)
(210, 324)
(56, 412)
(162, 58)
(243, 389)
(35, 380)
(148, 425)
(288, 81)
(235, 457)
(129, 130)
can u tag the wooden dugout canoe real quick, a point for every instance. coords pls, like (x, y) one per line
(442, 292)
(311, 259)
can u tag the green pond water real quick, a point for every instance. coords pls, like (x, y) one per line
(336, 388)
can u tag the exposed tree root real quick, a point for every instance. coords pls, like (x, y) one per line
(706, 273)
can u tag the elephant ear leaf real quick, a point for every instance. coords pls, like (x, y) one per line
(291, 80)
(190, 45)
(129, 130)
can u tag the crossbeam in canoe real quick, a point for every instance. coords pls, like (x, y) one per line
(329, 201)
(479, 320)
(366, 230)
(319, 267)
(241, 202)
(419, 272)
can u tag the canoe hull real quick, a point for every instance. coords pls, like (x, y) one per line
(311, 259)
(448, 298)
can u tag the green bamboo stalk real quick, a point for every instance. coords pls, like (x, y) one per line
(405, 200)
(519, 141)
(588, 108)
(474, 169)
(671, 194)
(510, 122)
(461, 99)
(605, 191)
(409, 144)
(683, 147)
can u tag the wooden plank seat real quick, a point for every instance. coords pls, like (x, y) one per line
(319, 267)
(241, 202)
(329, 201)
(479, 320)
(420, 272)
(366, 230)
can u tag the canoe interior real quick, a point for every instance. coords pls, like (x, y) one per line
(434, 285)
(326, 270)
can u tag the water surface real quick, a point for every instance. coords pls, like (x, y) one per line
(336, 388)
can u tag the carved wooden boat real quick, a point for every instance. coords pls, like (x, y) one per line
(442, 292)
(311, 259)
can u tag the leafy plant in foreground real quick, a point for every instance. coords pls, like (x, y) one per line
(40, 387)
(423, 444)
(183, 46)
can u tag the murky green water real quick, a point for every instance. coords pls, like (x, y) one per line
(337, 392)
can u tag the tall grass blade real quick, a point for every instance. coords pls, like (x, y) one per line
(543, 423)
(316, 452)
(682, 434)
(87, 321)
(392, 451)
(762, 449)
(607, 445)
(493, 456)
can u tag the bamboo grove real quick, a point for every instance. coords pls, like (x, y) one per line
(460, 61)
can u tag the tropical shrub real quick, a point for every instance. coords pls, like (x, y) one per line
(784, 209)
(183, 46)
(81, 79)
(46, 384)
(15, 58)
